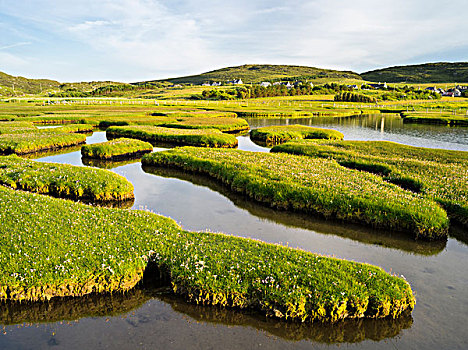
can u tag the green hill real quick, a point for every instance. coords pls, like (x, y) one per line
(442, 72)
(256, 73)
(25, 85)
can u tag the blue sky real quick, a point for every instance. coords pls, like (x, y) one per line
(134, 40)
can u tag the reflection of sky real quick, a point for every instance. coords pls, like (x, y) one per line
(385, 128)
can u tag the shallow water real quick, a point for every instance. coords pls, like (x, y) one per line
(153, 318)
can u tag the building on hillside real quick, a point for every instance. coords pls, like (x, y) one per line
(378, 86)
(435, 89)
(216, 83)
(265, 84)
(236, 82)
(354, 87)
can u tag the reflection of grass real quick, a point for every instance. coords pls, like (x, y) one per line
(71, 309)
(348, 331)
(120, 304)
(314, 186)
(62, 248)
(357, 233)
(109, 164)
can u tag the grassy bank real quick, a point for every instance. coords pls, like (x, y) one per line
(224, 124)
(118, 148)
(197, 137)
(439, 175)
(62, 180)
(74, 128)
(315, 186)
(435, 118)
(22, 143)
(63, 248)
(16, 127)
(272, 135)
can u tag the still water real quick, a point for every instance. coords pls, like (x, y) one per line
(152, 318)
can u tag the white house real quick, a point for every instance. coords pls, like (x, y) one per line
(265, 84)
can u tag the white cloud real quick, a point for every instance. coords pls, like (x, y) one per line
(145, 39)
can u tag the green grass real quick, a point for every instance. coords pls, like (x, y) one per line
(63, 180)
(117, 148)
(439, 175)
(194, 137)
(272, 135)
(37, 141)
(7, 127)
(224, 124)
(74, 128)
(63, 248)
(317, 186)
(256, 73)
(441, 72)
(435, 118)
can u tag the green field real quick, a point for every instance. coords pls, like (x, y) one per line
(62, 180)
(272, 135)
(66, 249)
(439, 175)
(316, 186)
(117, 148)
(194, 137)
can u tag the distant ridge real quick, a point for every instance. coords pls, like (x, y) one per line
(441, 72)
(256, 73)
(25, 85)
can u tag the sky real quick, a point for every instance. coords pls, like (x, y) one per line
(137, 40)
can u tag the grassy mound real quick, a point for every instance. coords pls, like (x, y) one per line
(63, 248)
(439, 175)
(117, 148)
(22, 143)
(197, 137)
(62, 180)
(317, 186)
(272, 135)
(16, 127)
(224, 124)
(435, 118)
(74, 128)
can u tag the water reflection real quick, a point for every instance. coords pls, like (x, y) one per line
(108, 164)
(358, 233)
(385, 127)
(122, 304)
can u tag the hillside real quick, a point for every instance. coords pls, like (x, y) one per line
(442, 72)
(253, 73)
(25, 85)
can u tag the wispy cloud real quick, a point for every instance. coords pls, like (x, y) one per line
(145, 39)
(14, 45)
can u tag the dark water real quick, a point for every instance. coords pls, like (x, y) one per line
(153, 318)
